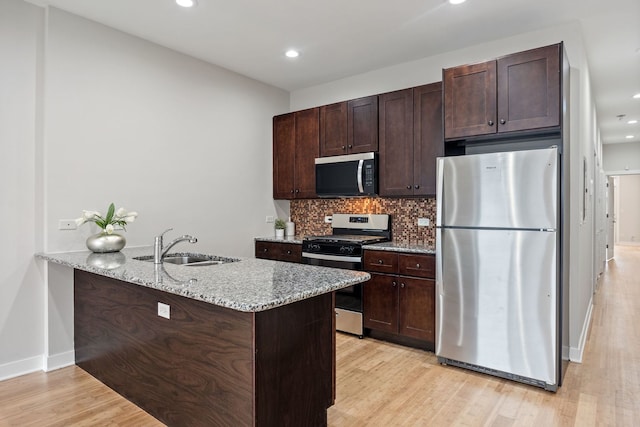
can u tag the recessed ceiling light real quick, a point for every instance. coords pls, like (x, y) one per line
(291, 53)
(186, 3)
(632, 122)
(456, 1)
(636, 96)
(629, 136)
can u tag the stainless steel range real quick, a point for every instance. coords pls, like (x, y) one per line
(343, 249)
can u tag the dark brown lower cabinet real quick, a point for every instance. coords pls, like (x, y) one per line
(289, 252)
(400, 305)
(207, 365)
(399, 300)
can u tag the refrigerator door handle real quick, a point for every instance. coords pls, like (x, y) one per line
(439, 190)
(439, 289)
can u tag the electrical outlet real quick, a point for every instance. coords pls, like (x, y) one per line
(423, 222)
(328, 219)
(270, 218)
(67, 224)
(164, 310)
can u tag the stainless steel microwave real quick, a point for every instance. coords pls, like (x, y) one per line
(347, 176)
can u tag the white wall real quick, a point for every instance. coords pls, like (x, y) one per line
(21, 286)
(90, 115)
(620, 159)
(583, 137)
(184, 143)
(628, 215)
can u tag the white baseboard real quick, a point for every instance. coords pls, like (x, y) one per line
(575, 353)
(60, 360)
(20, 367)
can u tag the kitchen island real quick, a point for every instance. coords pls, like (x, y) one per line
(249, 342)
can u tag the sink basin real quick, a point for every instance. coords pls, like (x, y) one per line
(190, 260)
(187, 259)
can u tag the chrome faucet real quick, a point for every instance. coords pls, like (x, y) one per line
(160, 251)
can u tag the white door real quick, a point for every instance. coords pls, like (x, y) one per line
(611, 217)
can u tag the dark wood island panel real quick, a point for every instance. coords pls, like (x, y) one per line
(207, 365)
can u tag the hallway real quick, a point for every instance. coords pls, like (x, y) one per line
(381, 384)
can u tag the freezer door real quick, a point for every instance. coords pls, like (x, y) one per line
(517, 189)
(496, 300)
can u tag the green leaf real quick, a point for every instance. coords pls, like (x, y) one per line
(110, 212)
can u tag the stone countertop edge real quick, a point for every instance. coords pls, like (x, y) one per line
(402, 247)
(248, 285)
(296, 240)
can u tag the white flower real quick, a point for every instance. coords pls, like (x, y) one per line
(121, 213)
(89, 215)
(109, 228)
(80, 221)
(131, 216)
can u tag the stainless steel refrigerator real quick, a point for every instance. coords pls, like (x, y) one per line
(498, 265)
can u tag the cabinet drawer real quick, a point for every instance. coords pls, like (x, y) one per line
(380, 261)
(417, 265)
(279, 251)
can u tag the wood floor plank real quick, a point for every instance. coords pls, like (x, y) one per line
(383, 384)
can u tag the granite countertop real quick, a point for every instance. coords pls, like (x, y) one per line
(297, 239)
(248, 285)
(398, 246)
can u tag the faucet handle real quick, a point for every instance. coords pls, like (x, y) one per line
(165, 231)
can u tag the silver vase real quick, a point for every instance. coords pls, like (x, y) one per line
(103, 242)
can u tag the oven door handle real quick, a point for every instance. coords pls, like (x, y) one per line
(332, 257)
(360, 186)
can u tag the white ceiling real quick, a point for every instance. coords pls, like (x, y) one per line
(339, 38)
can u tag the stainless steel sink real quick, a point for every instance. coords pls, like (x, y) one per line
(187, 259)
(190, 260)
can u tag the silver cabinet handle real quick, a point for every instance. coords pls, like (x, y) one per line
(402, 285)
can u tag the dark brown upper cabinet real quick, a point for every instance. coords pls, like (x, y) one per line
(295, 147)
(410, 137)
(349, 127)
(519, 92)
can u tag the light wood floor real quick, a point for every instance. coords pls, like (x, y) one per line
(381, 384)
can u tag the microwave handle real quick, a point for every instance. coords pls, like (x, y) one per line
(360, 187)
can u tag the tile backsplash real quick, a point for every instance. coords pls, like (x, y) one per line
(308, 216)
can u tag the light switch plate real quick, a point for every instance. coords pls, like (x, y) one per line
(269, 218)
(164, 310)
(423, 222)
(67, 224)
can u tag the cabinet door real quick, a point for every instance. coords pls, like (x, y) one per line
(380, 302)
(417, 308)
(307, 148)
(470, 100)
(284, 142)
(396, 143)
(362, 121)
(427, 132)
(333, 129)
(529, 89)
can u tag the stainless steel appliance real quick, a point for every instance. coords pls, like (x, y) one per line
(343, 249)
(498, 275)
(349, 175)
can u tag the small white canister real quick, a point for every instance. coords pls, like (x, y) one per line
(290, 228)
